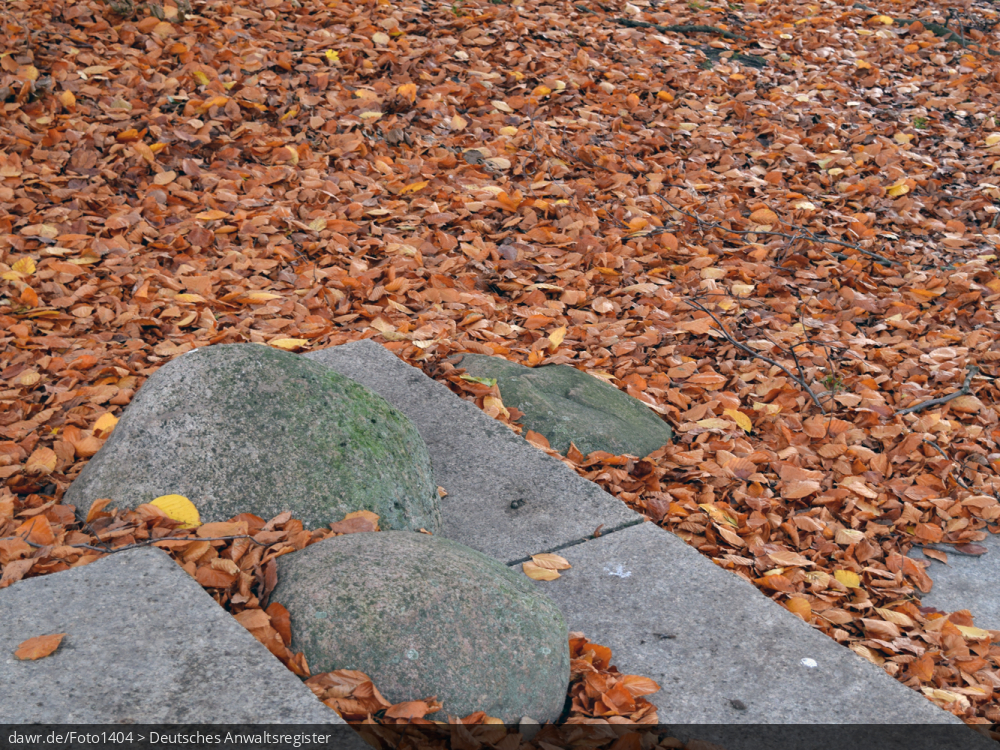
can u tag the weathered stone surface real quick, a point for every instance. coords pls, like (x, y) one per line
(246, 428)
(723, 653)
(967, 582)
(427, 616)
(567, 405)
(505, 497)
(144, 644)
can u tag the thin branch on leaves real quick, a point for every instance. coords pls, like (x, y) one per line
(800, 233)
(678, 29)
(799, 379)
(937, 29)
(965, 390)
(957, 475)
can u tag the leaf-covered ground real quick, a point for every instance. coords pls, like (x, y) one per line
(773, 222)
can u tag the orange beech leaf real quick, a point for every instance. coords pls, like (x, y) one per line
(39, 647)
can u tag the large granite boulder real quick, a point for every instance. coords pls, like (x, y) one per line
(567, 405)
(246, 428)
(424, 616)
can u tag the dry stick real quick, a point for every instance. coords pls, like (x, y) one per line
(679, 29)
(801, 381)
(958, 478)
(807, 234)
(937, 29)
(963, 391)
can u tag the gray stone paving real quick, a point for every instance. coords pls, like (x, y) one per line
(144, 644)
(505, 498)
(966, 582)
(722, 652)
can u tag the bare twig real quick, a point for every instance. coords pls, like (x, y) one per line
(800, 380)
(963, 391)
(958, 479)
(679, 29)
(800, 233)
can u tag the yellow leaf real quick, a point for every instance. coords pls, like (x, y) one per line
(541, 91)
(556, 337)
(664, 96)
(508, 130)
(903, 137)
(551, 562)
(805, 206)
(993, 139)
(972, 633)
(408, 90)
(900, 188)
(67, 99)
(740, 418)
(884, 20)
(25, 266)
(380, 38)
(288, 114)
(458, 123)
(370, 115)
(539, 573)
(201, 78)
(414, 187)
(179, 508)
(105, 424)
(288, 344)
(332, 56)
(848, 577)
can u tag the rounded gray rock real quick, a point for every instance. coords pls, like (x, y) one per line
(425, 616)
(568, 405)
(245, 428)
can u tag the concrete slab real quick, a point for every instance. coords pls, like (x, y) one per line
(506, 498)
(145, 644)
(966, 582)
(722, 652)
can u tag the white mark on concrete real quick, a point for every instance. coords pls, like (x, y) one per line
(809, 663)
(412, 654)
(617, 570)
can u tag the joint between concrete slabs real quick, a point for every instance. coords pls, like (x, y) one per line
(584, 540)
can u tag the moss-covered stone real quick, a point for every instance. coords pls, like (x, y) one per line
(427, 616)
(246, 428)
(567, 405)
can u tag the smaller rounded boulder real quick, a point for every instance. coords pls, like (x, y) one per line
(425, 616)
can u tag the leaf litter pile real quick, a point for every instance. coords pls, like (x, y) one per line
(774, 223)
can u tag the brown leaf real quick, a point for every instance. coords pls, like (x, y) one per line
(39, 647)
